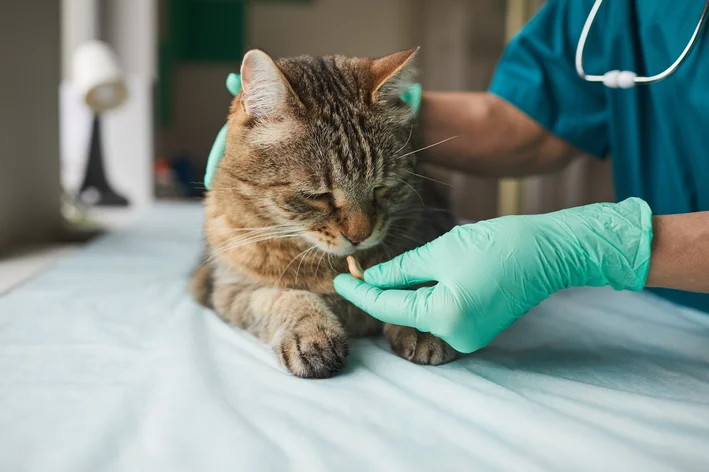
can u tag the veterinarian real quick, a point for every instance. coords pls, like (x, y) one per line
(552, 98)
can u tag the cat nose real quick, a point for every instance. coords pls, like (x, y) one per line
(356, 239)
(357, 226)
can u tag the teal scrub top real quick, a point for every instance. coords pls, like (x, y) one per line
(656, 135)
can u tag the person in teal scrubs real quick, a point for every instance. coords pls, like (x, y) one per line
(539, 113)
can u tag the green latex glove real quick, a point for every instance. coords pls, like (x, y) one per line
(233, 85)
(491, 273)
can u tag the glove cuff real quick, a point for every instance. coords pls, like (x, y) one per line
(639, 254)
(614, 240)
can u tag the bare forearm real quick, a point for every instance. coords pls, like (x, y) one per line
(495, 138)
(680, 252)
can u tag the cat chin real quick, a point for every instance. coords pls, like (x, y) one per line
(334, 250)
(342, 252)
(346, 251)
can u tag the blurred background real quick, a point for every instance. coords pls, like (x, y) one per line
(107, 106)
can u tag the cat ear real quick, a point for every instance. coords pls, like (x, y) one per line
(393, 75)
(266, 90)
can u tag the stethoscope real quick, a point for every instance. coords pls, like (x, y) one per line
(625, 78)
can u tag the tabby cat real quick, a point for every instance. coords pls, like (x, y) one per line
(319, 164)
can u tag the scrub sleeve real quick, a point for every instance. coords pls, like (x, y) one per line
(537, 74)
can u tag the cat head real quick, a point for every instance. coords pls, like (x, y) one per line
(322, 146)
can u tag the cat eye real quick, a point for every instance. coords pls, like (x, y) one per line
(380, 192)
(323, 200)
(319, 196)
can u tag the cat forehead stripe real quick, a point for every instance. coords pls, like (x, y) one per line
(410, 95)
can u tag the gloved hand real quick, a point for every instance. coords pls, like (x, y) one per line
(491, 273)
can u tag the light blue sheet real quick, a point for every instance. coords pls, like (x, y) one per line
(107, 365)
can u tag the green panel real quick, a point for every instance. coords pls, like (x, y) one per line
(208, 30)
(200, 31)
(164, 85)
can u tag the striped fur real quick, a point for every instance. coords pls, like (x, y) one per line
(322, 168)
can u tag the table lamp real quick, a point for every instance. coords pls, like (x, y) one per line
(100, 83)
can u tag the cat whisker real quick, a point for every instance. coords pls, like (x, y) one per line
(216, 254)
(414, 215)
(200, 186)
(305, 254)
(428, 178)
(253, 230)
(228, 247)
(418, 210)
(388, 250)
(317, 269)
(411, 133)
(428, 147)
(329, 261)
(398, 248)
(260, 233)
(401, 234)
(284, 225)
(415, 191)
(402, 246)
(278, 284)
(256, 235)
(248, 237)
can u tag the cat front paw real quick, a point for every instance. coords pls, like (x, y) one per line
(418, 347)
(314, 350)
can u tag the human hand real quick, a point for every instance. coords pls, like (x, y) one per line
(491, 273)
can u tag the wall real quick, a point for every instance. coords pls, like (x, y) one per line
(359, 28)
(80, 21)
(29, 141)
(130, 26)
(462, 42)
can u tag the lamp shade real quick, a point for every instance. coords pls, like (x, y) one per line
(98, 77)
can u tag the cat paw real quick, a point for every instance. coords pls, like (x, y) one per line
(418, 347)
(314, 350)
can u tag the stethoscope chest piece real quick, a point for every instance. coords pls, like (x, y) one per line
(626, 79)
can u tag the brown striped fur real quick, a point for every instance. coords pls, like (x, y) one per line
(319, 164)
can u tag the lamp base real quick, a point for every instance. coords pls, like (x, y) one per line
(101, 197)
(95, 190)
